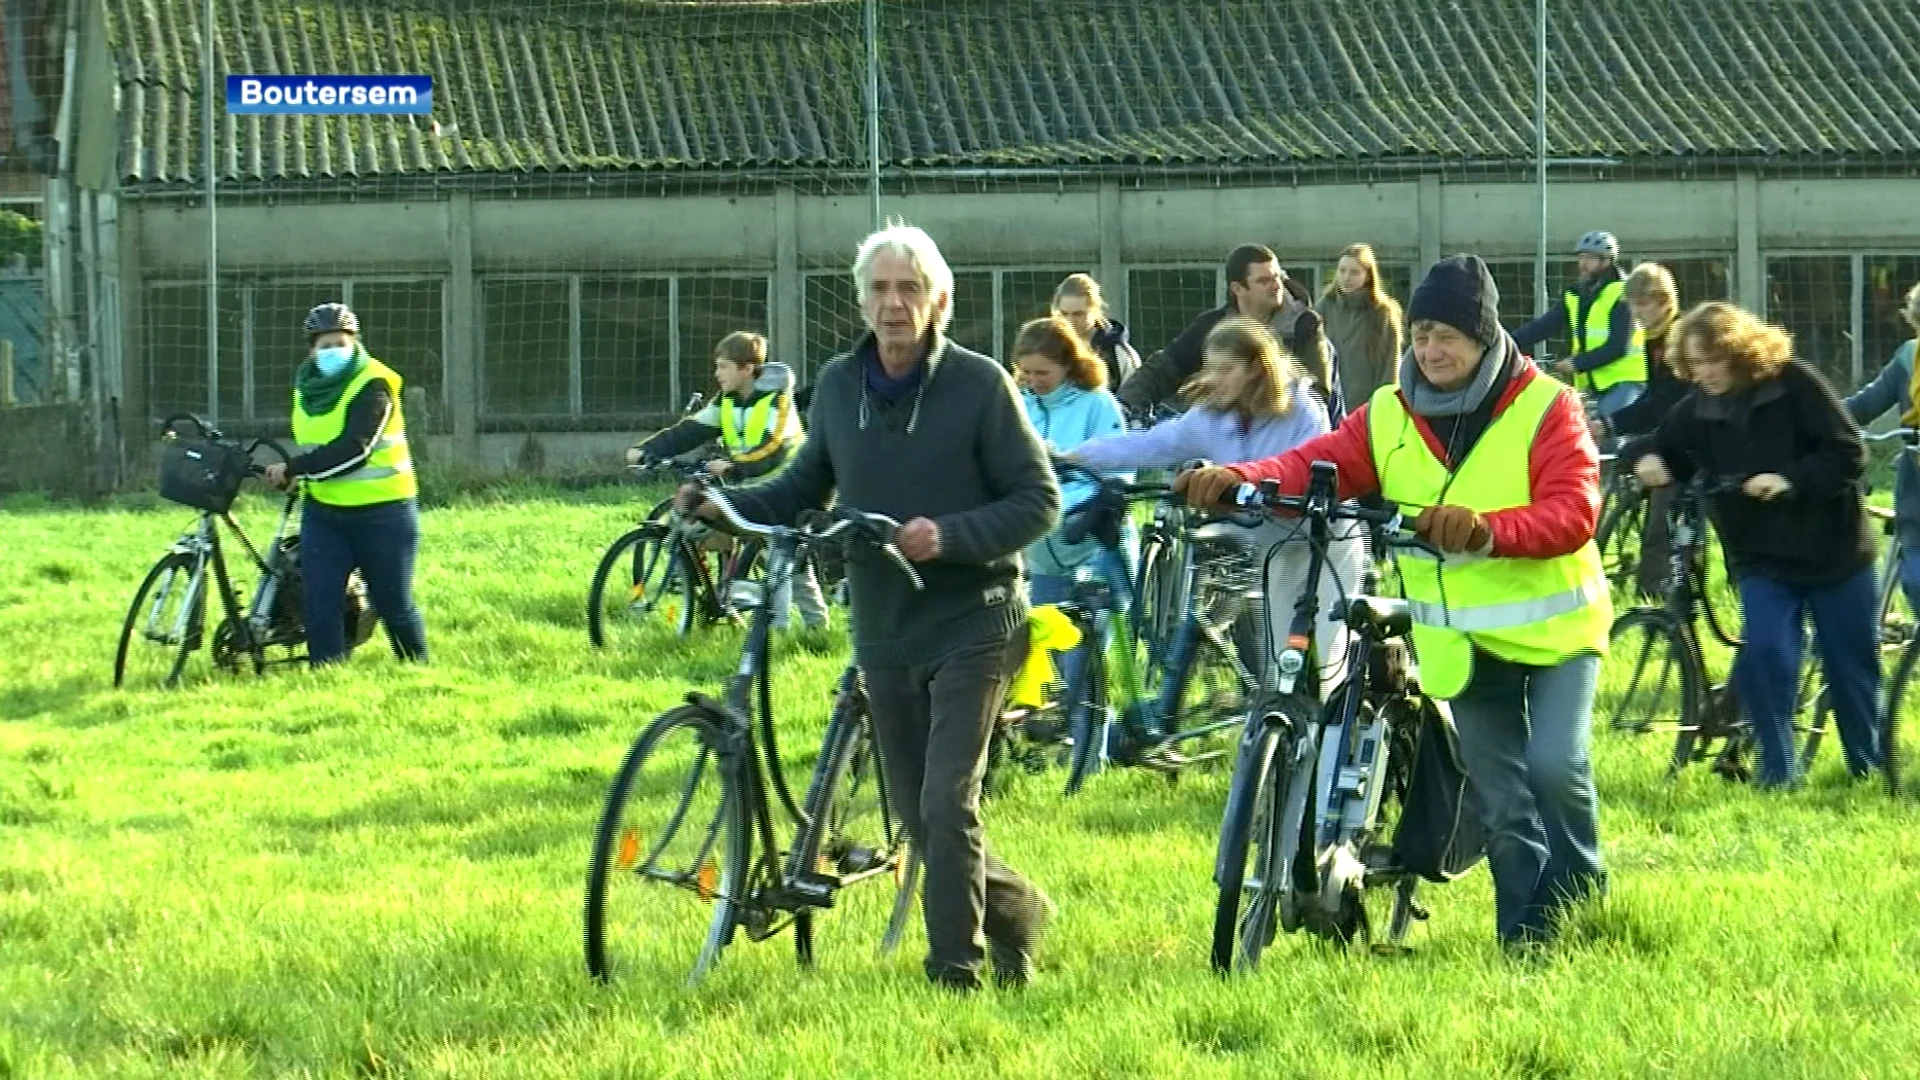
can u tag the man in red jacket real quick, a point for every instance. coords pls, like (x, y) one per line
(1509, 626)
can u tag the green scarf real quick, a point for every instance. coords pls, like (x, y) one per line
(320, 393)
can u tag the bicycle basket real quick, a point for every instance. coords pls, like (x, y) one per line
(200, 473)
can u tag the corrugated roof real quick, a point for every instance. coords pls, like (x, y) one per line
(683, 86)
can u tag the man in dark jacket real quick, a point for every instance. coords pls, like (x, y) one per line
(1260, 290)
(913, 426)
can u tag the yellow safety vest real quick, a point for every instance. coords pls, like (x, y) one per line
(1529, 611)
(387, 474)
(766, 427)
(1632, 366)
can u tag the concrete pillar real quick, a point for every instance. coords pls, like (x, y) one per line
(1430, 224)
(788, 329)
(1749, 271)
(463, 338)
(1112, 272)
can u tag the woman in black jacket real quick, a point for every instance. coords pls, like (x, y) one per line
(1794, 532)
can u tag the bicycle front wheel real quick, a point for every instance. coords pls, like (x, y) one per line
(164, 624)
(1896, 727)
(669, 855)
(640, 585)
(1665, 683)
(1260, 833)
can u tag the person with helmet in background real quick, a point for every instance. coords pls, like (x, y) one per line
(361, 510)
(1608, 360)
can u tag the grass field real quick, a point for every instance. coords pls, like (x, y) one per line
(377, 872)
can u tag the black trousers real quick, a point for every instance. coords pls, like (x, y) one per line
(932, 722)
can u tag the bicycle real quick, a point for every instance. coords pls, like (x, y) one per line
(1303, 835)
(168, 615)
(1704, 714)
(1143, 694)
(709, 764)
(672, 569)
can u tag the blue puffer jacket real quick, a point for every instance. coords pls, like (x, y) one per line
(1065, 418)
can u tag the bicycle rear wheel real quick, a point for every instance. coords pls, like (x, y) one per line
(1256, 863)
(850, 836)
(1619, 535)
(669, 854)
(640, 584)
(165, 622)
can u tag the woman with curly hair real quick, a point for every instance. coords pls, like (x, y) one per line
(1796, 541)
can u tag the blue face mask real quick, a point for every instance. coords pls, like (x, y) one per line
(332, 361)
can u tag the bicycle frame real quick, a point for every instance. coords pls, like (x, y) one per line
(1149, 719)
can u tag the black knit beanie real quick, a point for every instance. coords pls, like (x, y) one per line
(1459, 291)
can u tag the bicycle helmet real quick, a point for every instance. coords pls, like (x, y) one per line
(1598, 243)
(329, 317)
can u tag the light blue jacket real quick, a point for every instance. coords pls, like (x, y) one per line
(1888, 391)
(1065, 419)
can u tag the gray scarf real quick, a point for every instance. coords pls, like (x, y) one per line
(1429, 400)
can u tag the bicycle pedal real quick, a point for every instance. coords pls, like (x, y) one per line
(812, 890)
(1418, 910)
(860, 860)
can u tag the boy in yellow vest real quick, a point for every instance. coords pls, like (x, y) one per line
(1495, 459)
(758, 425)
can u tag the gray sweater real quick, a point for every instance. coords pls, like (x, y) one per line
(958, 450)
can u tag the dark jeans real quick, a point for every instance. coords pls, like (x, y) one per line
(379, 540)
(1525, 734)
(1766, 674)
(932, 722)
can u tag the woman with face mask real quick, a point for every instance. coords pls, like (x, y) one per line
(360, 511)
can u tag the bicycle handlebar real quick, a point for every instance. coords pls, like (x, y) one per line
(1910, 436)
(1064, 464)
(1389, 518)
(878, 530)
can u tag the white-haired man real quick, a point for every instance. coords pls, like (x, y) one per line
(911, 425)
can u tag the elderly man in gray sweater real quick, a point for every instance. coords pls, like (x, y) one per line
(911, 425)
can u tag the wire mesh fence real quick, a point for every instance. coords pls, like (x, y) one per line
(607, 187)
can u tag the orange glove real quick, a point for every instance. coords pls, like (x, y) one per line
(1453, 528)
(1206, 488)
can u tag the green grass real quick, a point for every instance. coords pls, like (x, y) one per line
(377, 872)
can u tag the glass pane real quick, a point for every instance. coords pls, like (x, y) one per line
(1812, 296)
(710, 309)
(174, 329)
(1514, 279)
(1397, 278)
(972, 324)
(1311, 274)
(626, 346)
(832, 318)
(1160, 304)
(1027, 294)
(1888, 277)
(403, 323)
(526, 326)
(280, 340)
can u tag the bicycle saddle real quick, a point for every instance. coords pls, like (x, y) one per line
(1378, 616)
